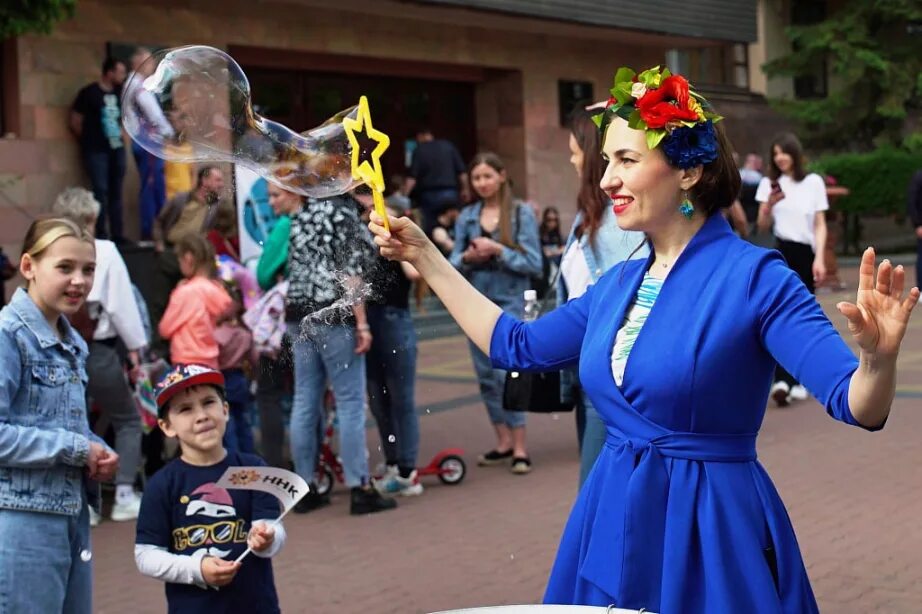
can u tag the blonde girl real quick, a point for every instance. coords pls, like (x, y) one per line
(47, 452)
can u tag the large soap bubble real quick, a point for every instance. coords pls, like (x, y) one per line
(192, 104)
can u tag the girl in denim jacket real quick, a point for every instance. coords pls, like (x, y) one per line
(498, 250)
(47, 452)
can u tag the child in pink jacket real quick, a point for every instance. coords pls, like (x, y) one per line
(196, 305)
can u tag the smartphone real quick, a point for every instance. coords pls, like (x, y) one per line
(776, 189)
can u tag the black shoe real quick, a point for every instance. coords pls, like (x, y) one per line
(311, 501)
(368, 501)
(494, 457)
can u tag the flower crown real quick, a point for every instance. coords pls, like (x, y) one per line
(668, 110)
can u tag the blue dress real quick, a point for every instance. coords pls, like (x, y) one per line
(677, 514)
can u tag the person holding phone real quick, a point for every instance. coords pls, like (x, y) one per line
(793, 204)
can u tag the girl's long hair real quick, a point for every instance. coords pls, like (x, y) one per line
(591, 200)
(46, 230)
(789, 144)
(506, 205)
(201, 249)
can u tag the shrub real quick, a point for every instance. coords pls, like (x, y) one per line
(877, 180)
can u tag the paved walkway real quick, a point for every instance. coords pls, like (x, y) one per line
(855, 500)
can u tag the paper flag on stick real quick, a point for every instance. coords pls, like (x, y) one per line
(284, 485)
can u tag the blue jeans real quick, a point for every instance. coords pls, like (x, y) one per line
(41, 568)
(106, 170)
(391, 371)
(593, 435)
(492, 382)
(239, 434)
(328, 354)
(153, 187)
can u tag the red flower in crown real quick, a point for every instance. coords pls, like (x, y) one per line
(667, 103)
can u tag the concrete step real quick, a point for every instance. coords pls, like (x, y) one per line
(433, 321)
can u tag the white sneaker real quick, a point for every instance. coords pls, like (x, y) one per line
(396, 485)
(798, 393)
(127, 510)
(94, 517)
(779, 393)
(384, 471)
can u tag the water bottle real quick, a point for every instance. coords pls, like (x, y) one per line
(531, 305)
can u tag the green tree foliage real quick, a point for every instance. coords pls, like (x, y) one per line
(876, 180)
(23, 16)
(873, 51)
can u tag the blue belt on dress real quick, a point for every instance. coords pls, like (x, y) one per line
(641, 550)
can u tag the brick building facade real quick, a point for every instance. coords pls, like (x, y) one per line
(486, 77)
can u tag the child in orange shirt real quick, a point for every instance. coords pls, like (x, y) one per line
(196, 305)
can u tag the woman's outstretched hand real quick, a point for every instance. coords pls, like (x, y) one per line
(879, 316)
(406, 241)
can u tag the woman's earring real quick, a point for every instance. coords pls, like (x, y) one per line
(686, 208)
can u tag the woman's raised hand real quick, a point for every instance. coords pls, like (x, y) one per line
(406, 241)
(879, 316)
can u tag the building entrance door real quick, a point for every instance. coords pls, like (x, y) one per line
(303, 99)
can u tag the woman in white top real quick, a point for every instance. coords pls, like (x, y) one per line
(793, 204)
(112, 304)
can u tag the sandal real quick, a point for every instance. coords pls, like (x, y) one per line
(521, 465)
(493, 457)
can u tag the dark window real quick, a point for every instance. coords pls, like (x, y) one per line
(812, 84)
(722, 65)
(9, 88)
(572, 95)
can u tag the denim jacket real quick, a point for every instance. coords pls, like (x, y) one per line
(505, 279)
(44, 433)
(611, 246)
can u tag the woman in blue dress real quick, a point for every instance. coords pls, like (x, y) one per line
(677, 353)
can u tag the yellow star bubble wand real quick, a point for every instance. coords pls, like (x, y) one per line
(368, 171)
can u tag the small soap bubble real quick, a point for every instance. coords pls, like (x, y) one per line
(555, 416)
(511, 557)
(85, 556)
(428, 411)
(391, 439)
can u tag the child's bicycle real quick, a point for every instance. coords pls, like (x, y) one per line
(448, 464)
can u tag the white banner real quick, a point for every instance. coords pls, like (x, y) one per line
(286, 486)
(255, 218)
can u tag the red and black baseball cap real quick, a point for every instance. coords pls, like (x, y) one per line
(181, 377)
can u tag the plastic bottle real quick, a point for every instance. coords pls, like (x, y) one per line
(532, 307)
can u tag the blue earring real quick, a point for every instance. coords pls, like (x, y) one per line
(686, 208)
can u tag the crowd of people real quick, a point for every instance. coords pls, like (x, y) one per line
(650, 268)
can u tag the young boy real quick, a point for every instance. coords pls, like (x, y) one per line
(190, 531)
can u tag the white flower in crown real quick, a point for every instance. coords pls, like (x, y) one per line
(638, 90)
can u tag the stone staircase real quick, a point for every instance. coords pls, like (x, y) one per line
(432, 321)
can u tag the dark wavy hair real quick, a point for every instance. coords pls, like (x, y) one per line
(591, 200)
(720, 182)
(789, 144)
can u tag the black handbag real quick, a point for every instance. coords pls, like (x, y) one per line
(532, 391)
